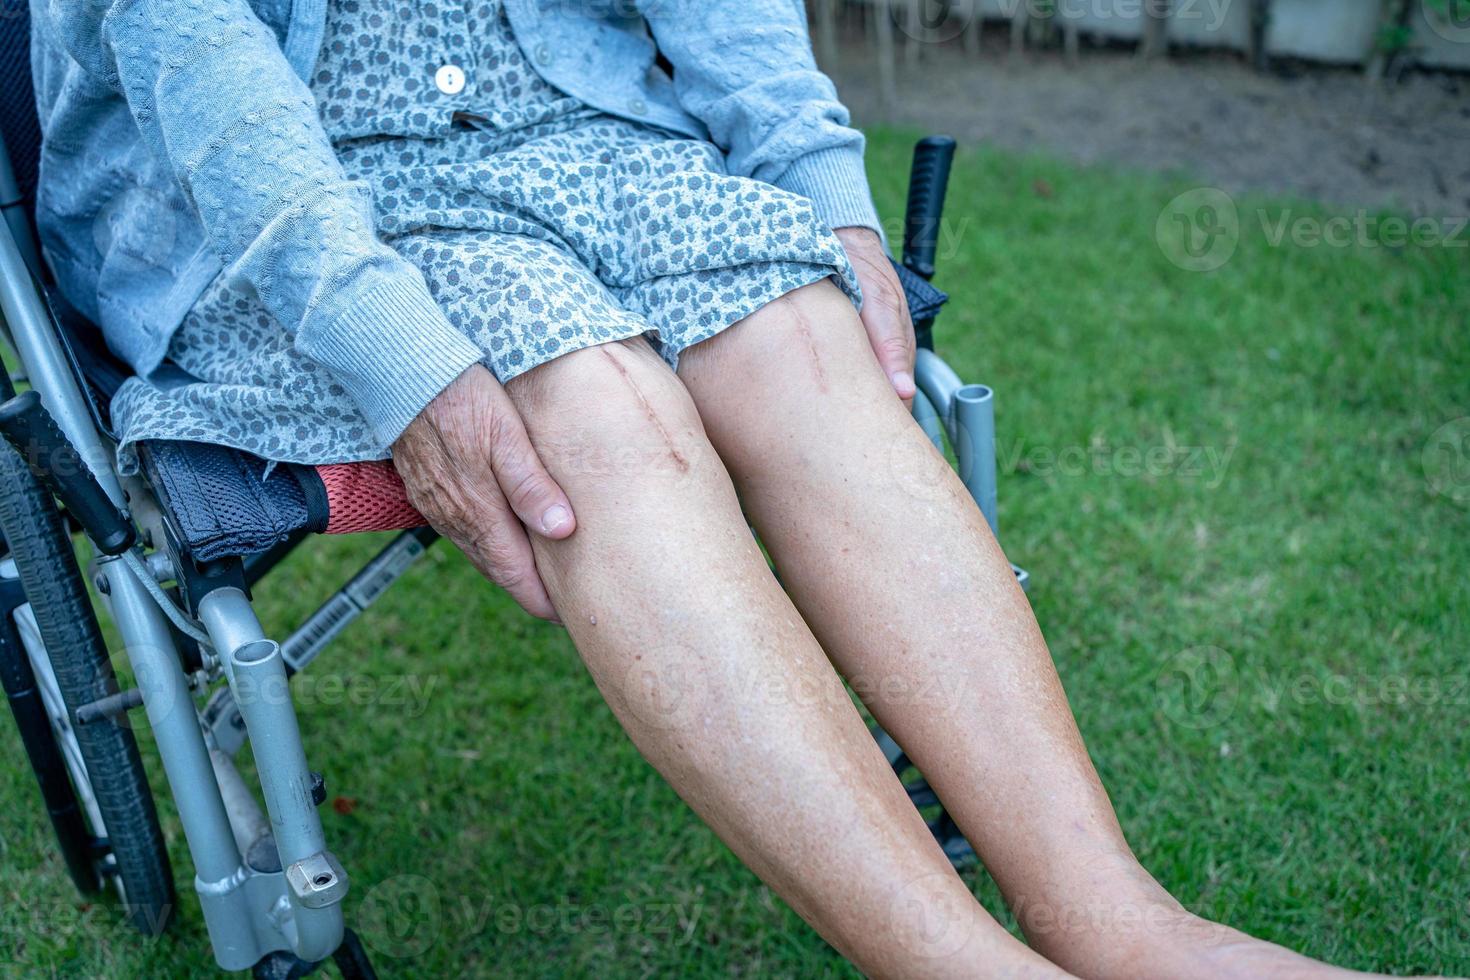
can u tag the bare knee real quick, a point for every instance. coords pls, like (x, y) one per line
(809, 340)
(620, 434)
(609, 414)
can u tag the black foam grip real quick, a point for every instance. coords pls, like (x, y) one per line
(927, 182)
(32, 432)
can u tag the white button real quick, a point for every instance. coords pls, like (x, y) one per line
(450, 79)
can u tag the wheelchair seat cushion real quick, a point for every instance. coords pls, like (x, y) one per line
(367, 496)
(221, 502)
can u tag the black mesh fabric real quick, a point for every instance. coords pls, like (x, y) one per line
(222, 503)
(18, 124)
(924, 299)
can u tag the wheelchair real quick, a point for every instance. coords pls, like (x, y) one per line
(175, 554)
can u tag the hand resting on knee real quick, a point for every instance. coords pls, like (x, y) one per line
(471, 471)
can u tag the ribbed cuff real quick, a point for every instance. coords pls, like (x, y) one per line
(393, 350)
(837, 185)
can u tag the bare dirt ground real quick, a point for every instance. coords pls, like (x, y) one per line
(1317, 133)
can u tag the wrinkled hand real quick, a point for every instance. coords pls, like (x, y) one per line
(471, 471)
(885, 312)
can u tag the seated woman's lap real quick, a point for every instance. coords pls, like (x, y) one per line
(622, 434)
(615, 411)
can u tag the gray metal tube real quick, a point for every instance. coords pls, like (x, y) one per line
(219, 876)
(928, 420)
(938, 383)
(47, 367)
(974, 414)
(170, 709)
(246, 818)
(12, 205)
(257, 676)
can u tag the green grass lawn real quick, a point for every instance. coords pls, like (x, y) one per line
(1250, 551)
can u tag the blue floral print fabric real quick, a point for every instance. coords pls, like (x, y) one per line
(541, 227)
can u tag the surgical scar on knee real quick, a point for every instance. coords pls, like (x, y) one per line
(648, 411)
(804, 331)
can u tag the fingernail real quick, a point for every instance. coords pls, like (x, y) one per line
(903, 383)
(555, 518)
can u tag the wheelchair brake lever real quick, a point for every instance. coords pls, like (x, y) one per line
(32, 432)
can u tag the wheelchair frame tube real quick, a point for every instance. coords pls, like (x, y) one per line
(170, 710)
(256, 671)
(147, 640)
(928, 419)
(938, 383)
(239, 910)
(218, 872)
(974, 444)
(246, 818)
(48, 368)
(968, 416)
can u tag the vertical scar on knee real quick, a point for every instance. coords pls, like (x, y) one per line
(648, 410)
(804, 328)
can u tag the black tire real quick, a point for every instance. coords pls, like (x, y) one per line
(43, 748)
(42, 550)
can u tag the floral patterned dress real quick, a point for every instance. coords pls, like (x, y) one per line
(542, 226)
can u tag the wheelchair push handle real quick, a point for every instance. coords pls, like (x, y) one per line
(32, 432)
(928, 180)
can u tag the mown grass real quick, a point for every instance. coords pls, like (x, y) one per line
(1250, 552)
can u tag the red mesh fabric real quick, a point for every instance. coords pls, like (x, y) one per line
(366, 497)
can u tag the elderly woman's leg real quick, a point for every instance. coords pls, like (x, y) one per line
(902, 582)
(720, 684)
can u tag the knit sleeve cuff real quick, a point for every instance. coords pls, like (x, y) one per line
(393, 350)
(835, 182)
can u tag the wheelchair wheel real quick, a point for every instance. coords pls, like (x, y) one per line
(57, 634)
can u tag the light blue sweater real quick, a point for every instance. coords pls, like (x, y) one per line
(180, 139)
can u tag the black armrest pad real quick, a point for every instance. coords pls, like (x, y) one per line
(221, 502)
(924, 299)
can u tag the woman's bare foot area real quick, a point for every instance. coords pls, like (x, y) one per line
(1130, 928)
(1230, 953)
(1173, 943)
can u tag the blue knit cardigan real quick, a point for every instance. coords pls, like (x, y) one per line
(181, 139)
